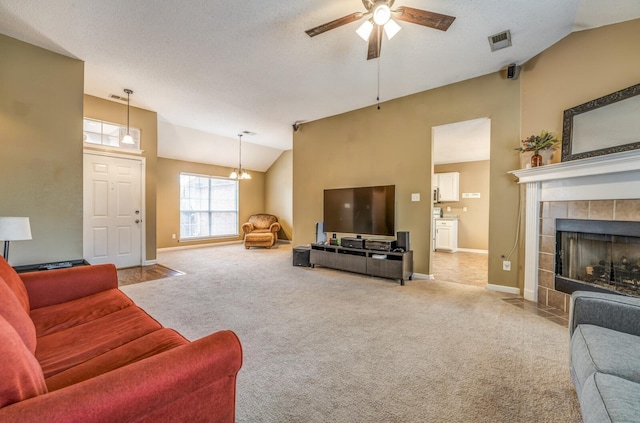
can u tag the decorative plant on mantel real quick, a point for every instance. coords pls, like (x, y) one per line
(545, 141)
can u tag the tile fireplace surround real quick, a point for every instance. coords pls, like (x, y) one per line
(598, 188)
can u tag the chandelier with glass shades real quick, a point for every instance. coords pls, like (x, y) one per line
(239, 172)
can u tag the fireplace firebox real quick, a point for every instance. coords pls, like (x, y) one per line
(597, 255)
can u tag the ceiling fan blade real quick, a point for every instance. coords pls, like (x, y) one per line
(334, 24)
(424, 18)
(375, 42)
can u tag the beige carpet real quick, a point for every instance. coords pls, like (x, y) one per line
(327, 346)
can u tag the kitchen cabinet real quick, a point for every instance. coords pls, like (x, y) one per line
(446, 238)
(446, 186)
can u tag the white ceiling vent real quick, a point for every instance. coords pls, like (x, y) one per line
(500, 40)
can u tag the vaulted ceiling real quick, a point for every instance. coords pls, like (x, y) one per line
(212, 69)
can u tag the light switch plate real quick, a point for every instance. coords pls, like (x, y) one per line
(415, 196)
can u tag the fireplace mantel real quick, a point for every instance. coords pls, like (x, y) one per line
(609, 177)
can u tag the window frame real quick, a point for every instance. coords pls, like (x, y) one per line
(136, 134)
(209, 210)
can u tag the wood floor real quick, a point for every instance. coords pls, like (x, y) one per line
(471, 269)
(139, 274)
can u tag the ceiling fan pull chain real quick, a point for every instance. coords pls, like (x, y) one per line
(378, 96)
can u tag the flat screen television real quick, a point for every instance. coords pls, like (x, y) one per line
(362, 210)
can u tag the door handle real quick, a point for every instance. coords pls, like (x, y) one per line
(137, 220)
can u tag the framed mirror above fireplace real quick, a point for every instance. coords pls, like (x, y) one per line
(606, 125)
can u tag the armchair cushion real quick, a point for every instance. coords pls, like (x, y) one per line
(261, 230)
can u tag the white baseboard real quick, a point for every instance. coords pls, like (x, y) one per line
(190, 247)
(423, 276)
(505, 289)
(530, 295)
(472, 250)
(150, 262)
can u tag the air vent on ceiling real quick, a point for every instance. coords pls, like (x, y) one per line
(117, 97)
(500, 40)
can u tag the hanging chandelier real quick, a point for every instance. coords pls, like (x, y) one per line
(239, 172)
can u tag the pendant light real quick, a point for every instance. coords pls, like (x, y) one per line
(127, 139)
(240, 173)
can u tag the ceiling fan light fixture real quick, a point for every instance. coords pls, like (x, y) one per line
(381, 13)
(365, 30)
(391, 28)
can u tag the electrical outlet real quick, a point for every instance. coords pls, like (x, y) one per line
(506, 265)
(173, 236)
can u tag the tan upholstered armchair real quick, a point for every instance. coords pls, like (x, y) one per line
(261, 231)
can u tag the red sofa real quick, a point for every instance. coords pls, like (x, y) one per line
(74, 348)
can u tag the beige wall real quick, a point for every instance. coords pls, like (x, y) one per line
(41, 150)
(473, 225)
(393, 146)
(582, 67)
(278, 193)
(251, 198)
(147, 122)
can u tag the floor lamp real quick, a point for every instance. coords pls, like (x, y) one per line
(13, 229)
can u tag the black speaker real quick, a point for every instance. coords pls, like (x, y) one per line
(321, 236)
(301, 256)
(513, 71)
(403, 241)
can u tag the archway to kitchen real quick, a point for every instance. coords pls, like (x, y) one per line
(460, 210)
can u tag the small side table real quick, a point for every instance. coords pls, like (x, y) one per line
(50, 266)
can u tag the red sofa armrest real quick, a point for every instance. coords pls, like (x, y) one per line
(61, 285)
(194, 382)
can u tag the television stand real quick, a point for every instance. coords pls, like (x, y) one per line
(383, 264)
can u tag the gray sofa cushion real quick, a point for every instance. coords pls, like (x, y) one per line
(598, 349)
(607, 398)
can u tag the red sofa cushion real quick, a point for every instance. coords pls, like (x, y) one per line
(15, 314)
(20, 372)
(57, 317)
(70, 347)
(62, 285)
(14, 282)
(136, 350)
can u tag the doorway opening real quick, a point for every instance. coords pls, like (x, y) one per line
(460, 177)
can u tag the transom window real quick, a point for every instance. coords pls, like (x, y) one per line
(208, 207)
(110, 135)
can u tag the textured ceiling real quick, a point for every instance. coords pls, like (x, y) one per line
(212, 69)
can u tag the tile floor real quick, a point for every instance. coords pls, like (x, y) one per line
(471, 269)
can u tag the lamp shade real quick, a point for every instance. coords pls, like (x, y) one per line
(14, 229)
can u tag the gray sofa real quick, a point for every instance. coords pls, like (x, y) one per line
(605, 356)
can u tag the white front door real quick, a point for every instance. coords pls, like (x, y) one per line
(112, 210)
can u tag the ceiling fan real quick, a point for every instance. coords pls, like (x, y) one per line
(380, 16)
